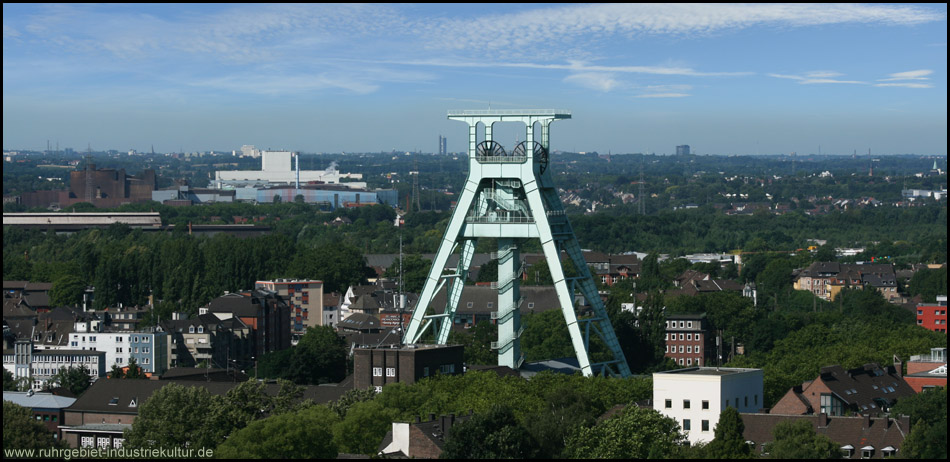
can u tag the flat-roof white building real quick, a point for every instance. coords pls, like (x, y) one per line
(695, 396)
(282, 167)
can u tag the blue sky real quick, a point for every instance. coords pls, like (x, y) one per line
(725, 79)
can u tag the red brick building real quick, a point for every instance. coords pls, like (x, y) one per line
(867, 390)
(690, 340)
(933, 316)
(375, 367)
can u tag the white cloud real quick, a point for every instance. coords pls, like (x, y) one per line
(817, 77)
(663, 95)
(593, 80)
(905, 85)
(568, 24)
(909, 75)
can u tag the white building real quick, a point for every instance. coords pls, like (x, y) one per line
(150, 349)
(282, 168)
(695, 397)
(37, 367)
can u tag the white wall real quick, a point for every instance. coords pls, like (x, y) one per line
(739, 388)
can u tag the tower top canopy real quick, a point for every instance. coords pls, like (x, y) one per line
(552, 113)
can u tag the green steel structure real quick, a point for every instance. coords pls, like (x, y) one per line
(511, 197)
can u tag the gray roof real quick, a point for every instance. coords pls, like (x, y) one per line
(123, 392)
(38, 400)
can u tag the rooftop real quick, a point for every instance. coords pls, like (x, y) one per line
(715, 371)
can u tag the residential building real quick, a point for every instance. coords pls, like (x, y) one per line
(858, 437)
(696, 396)
(109, 407)
(925, 372)
(419, 440)
(375, 367)
(690, 340)
(870, 389)
(264, 312)
(933, 316)
(148, 348)
(827, 279)
(305, 298)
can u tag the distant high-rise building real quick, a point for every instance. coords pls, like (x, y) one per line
(442, 146)
(682, 150)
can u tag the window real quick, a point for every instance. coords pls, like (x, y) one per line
(705, 404)
(87, 441)
(191, 329)
(689, 324)
(746, 403)
(867, 452)
(681, 336)
(377, 372)
(681, 348)
(681, 326)
(689, 348)
(390, 372)
(685, 404)
(686, 425)
(689, 337)
(201, 329)
(668, 403)
(378, 389)
(705, 425)
(425, 371)
(689, 361)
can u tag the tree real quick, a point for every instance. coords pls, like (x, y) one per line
(496, 434)
(796, 439)
(635, 433)
(177, 417)
(75, 379)
(134, 371)
(477, 343)
(9, 383)
(729, 442)
(928, 434)
(303, 434)
(22, 431)
(319, 357)
(116, 372)
(67, 290)
(415, 270)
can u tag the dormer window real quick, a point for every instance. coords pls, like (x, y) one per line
(114, 401)
(191, 329)
(201, 329)
(847, 451)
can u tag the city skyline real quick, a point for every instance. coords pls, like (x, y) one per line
(724, 79)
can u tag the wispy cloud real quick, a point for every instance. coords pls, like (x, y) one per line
(905, 85)
(920, 74)
(663, 95)
(816, 77)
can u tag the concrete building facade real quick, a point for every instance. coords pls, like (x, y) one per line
(695, 397)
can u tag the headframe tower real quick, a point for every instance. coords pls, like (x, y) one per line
(511, 197)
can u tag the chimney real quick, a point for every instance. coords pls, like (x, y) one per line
(431, 417)
(867, 422)
(822, 420)
(904, 421)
